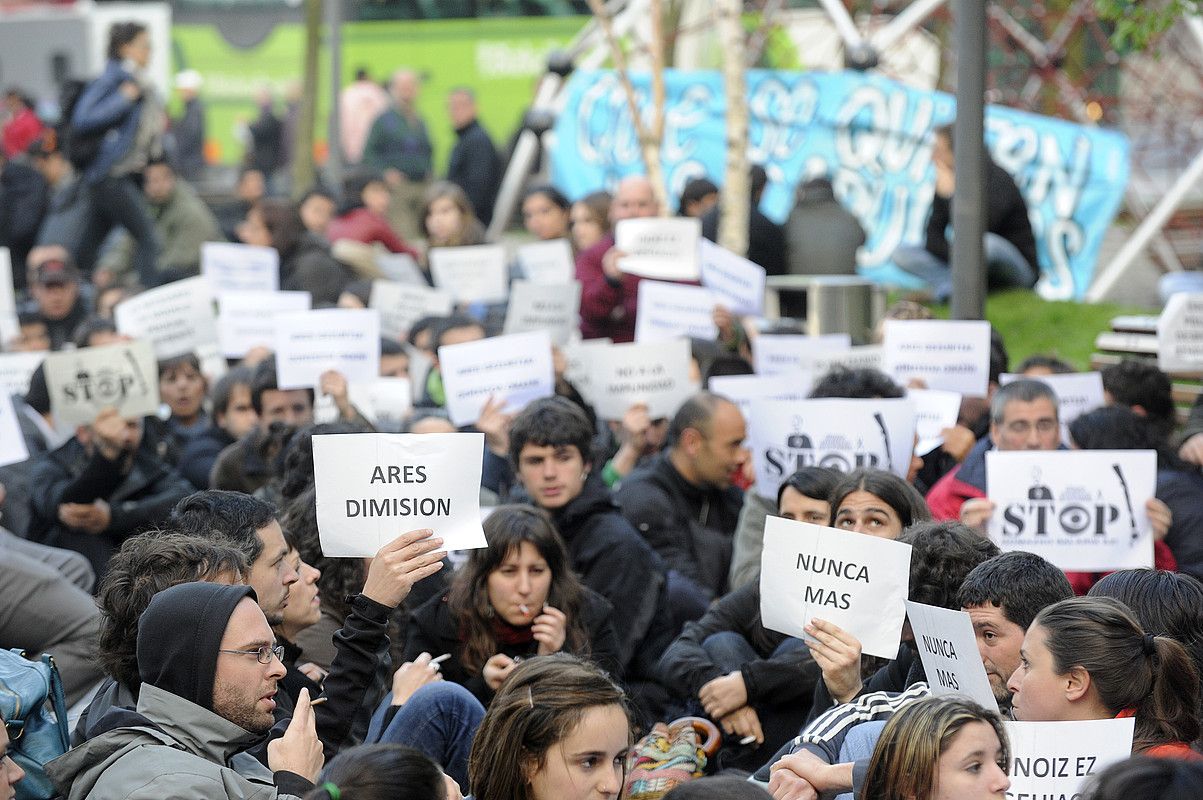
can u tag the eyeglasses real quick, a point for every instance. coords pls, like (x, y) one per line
(263, 655)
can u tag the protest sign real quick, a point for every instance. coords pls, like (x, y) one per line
(853, 580)
(372, 487)
(547, 262)
(9, 329)
(655, 373)
(310, 342)
(176, 318)
(247, 319)
(1082, 510)
(544, 307)
(1054, 759)
(514, 369)
(660, 248)
(12, 442)
(671, 310)
(420, 365)
(16, 370)
(948, 647)
(231, 267)
(385, 402)
(952, 355)
(870, 356)
(736, 282)
(400, 267)
(474, 274)
(743, 389)
(934, 412)
(773, 353)
(1077, 393)
(83, 382)
(1180, 334)
(577, 357)
(843, 434)
(401, 305)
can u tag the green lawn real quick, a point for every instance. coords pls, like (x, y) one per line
(1031, 325)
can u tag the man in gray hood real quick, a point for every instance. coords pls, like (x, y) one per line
(209, 667)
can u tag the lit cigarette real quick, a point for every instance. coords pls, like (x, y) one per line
(440, 659)
(747, 739)
(318, 701)
(525, 609)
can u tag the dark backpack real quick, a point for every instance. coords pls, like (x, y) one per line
(80, 149)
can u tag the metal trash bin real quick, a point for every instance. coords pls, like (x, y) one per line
(828, 303)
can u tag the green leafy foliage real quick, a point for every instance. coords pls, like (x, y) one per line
(1138, 23)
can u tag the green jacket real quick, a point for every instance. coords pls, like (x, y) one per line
(183, 224)
(170, 749)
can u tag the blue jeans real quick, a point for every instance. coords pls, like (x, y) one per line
(119, 201)
(439, 720)
(1006, 268)
(730, 651)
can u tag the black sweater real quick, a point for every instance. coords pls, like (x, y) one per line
(1006, 215)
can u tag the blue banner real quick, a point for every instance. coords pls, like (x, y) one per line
(871, 136)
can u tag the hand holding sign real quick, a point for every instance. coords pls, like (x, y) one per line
(400, 564)
(837, 653)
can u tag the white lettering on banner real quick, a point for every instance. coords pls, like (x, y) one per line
(1180, 334)
(370, 488)
(656, 374)
(83, 382)
(12, 441)
(547, 262)
(514, 369)
(1082, 510)
(853, 580)
(401, 305)
(553, 308)
(309, 343)
(231, 267)
(737, 283)
(950, 355)
(659, 248)
(934, 412)
(16, 369)
(775, 353)
(177, 318)
(844, 434)
(1055, 759)
(1077, 393)
(673, 310)
(247, 319)
(948, 648)
(475, 274)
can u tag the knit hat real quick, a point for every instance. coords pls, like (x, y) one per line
(180, 633)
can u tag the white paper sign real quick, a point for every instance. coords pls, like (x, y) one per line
(1082, 510)
(84, 382)
(743, 389)
(9, 329)
(1077, 393)
(672, 310)
(868, 356)
(231, 267)
(246, 320)
(659, 248)
(578, 357)
(516, 369)
(310, 342)
(656, 374)
(16, 369)
(372, 487)
(400, 267)
(1180, 334)
(934, 412)
(401, 305)
(736, 282)
(1054, 759)
(176, 318)
(948, 647)
(474, 274)
(12, 442)
(843, 434)
(554, 308)
(385, 402)
(953, 355)
(547, 262)
(774, 353)
(853, 580)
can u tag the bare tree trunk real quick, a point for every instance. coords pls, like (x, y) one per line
(735, 206)
(651, 137)
(303, 171)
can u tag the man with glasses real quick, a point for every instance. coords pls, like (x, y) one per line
(209, 668)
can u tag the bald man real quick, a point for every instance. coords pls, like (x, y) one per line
(608, 295)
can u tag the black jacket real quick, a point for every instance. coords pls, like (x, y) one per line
(201, 451)
(1006, 215)
(138, 498)
(897, 675)
(766, 239)
(787, 679)
(476, 168)
(189, 132)
(692, 528)
(432, 629)
(613, 560)
(309, 267)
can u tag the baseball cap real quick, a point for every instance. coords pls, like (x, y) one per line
(56, 271)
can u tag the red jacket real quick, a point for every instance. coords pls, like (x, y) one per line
(361, 225)
(20, 132)
(607, 308)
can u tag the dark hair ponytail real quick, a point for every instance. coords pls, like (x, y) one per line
(1172, 709)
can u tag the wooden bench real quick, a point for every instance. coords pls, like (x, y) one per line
(1135, 337)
